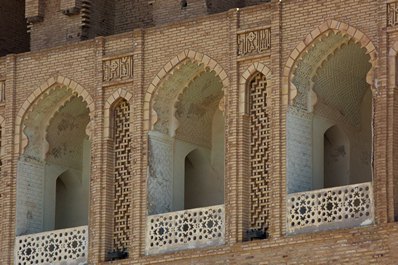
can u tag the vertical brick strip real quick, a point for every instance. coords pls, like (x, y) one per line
(381, 129)
(278, 137)
(8, 177)
(96, 214)
(139, 151)
(233, 189)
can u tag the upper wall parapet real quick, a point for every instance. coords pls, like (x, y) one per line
(13, 35)
(58, 22)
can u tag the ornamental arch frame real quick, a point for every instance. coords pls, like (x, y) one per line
(289, 92)
(66, 83)
(246, 76)
(112, 100)
(168, 68)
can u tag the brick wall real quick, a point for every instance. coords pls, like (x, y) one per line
(55, 28)
(13, 30)
(215, 36)
(101, 18)
(132, 14)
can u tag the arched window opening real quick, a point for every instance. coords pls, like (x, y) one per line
(204, 171)
(341, 98)
(336, 158)
(55, 165)
(186, 161)
(188, 118)
(69, 209)
(329, 137)
(197, 180)
(61, 200)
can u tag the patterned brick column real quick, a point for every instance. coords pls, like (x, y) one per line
(8, 176)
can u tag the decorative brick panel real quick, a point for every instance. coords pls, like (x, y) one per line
(122, 175)
(118, 69)
(259, 152)
(254, 42)
(392, 14)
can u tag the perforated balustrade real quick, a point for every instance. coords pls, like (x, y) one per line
(187, 229)
(340, 207)
(66, 246)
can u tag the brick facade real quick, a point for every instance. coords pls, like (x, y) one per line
(159, 37)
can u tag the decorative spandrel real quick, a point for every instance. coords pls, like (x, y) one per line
(392, 14)
(118, 69)
(254, 42)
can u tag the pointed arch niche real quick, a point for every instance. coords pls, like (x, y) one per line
(186, 155)
(188, 118)
(118, 134)
(329, 132)
(255, 108)
(54, 164)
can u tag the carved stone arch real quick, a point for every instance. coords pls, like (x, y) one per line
(110, 102)
(199, 58)
(289, 91)
(246, 76)
(37, 94)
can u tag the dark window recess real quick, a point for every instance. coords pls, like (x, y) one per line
(184, 3)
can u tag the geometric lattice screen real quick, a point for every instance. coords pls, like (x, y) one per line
(122, 176)
(259, 153)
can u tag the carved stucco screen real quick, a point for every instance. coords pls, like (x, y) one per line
(122, 175)
(259, 152)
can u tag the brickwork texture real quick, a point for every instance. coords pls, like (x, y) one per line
(110, 53)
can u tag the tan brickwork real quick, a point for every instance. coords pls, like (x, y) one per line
(211, 40)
